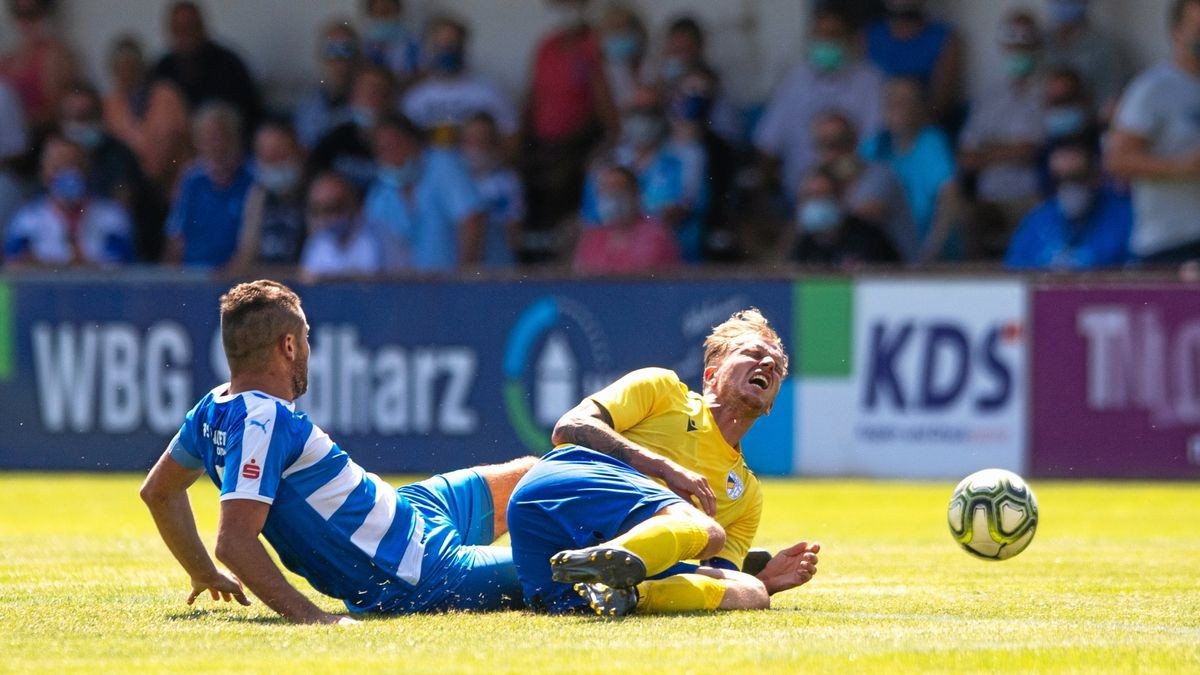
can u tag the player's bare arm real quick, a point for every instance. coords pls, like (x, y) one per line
(239, 548)
(590, 425)
(793, 566)
(165, 493)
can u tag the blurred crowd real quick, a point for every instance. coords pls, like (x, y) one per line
(627, 154)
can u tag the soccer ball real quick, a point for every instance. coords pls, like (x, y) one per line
(993, 514)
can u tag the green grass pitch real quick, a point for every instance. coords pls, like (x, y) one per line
(1111, 583)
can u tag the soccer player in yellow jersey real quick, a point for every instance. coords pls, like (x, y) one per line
(588, 514)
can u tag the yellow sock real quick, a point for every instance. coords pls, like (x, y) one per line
(662, 541)
(680, 593)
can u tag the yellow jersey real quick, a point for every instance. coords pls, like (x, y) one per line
(652, 408)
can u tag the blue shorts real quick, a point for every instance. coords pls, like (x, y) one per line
(572, 498)
(460, 571)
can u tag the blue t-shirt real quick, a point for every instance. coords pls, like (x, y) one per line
(209, 217)
(426, 219)
(917, 57)
(346, 531)
(922, 170)
(1045, 240)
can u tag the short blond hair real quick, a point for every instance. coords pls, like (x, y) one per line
(725, 336)
(253, 316)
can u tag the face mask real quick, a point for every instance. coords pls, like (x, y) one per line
(384, 30)
(448, 61)
(827, 56)
(845, 168)
(1067, 12)
(479, 161)
(621, 47)
(692, 107)
(819, 215)
(340, 50)
(399, 176)
(341, 226)
(1064, 122)
(615, 210)
(642, 130)
(673, 68)
(364, 118)
(68, 186)
(1020, 65)
(1074, 200)
(86, 134)
(277, 178)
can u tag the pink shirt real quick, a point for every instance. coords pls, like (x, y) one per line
(561, 101)
(645, 246)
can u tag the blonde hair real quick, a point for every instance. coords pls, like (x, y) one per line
(725, 336)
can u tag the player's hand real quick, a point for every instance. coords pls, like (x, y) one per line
(791, 567)
(223, 586)
(336, 620)
(689, 484)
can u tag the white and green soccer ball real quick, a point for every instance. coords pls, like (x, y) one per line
(993, 514)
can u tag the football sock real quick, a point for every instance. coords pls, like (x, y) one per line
(662, 541)
(680, 593)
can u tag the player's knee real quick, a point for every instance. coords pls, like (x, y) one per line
(745, 592)
(716, 539)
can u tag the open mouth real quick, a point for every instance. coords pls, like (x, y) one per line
(760, 381)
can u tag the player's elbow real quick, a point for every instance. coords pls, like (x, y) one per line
(228, 550)
(152, 494)
(716, 539)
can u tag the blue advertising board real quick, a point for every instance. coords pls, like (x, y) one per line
(406, 376)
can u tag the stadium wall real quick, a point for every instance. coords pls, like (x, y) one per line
(891, 376)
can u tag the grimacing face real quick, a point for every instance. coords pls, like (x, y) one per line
(749, 376)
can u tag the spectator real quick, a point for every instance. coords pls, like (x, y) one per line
(423, 206)
(832, 78)
(388, 42)
(869, 190)
(327, 105)
(14, 140)
(114, 172)
(1084, 226)
(827, 234)
(626, 242)
(568, 111)
(922, 158)
(273, 220)
(41, 66)
(670, 176)
(907, 43)
(338, 244)
(1073, 42)
(11, 196)
(623, 41)
(204, 70)
(68, 227)
(683, 53)
(206, 218)
(445, 99)
(1000, 143)
(346, 149)
(150, 117)
(1068, 116)
(1156, 144)
(499, 187)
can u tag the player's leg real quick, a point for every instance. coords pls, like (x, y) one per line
(676, 532)
(707, 589)
(501, 479)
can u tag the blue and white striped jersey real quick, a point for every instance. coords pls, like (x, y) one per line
(346, 531)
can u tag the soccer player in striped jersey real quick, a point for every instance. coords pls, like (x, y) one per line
(588, 513)
(421, 547)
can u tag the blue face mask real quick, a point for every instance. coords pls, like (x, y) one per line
(1075, 200)
(621, 47)
(341, 226)
(399, 176)
(1064, 122)
(615, 210)
(364, 118)
(819, 215)
(674, 68)
(692, 107)
(642, 129)
(277, 178)
(340, 50)
(827, 56)
(1020, 65)
(90, 136)
(384, 30)
(448, 61)
(68, 186)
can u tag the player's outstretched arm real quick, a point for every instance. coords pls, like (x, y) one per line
(589, 425)
(239, 548)
(165, 493)
(791, 567)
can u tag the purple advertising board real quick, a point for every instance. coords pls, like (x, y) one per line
(1116, 382)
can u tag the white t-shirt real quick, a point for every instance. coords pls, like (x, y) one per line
(785, 130)
(1006, 114)
(324, 256)
(1163, 106)
(437, 102)
(39, 228)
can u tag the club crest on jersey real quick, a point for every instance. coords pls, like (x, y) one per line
(734, 487)
(251, 471)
